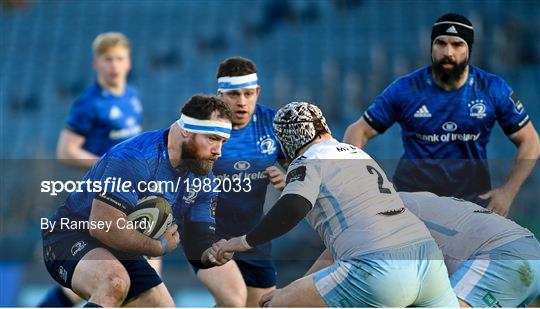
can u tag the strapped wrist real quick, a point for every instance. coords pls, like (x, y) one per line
(164, 244)
(245, 243)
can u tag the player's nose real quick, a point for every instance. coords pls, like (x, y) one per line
(242, 101)
(216, 149)
(448, 50)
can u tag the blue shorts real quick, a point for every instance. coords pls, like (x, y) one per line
(507, 276)
(414, 275)
(62, 257)
(256, 273)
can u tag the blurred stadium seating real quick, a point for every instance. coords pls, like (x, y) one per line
(338, 54)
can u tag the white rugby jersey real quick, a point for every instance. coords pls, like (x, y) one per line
(461, 228)
(355, 208)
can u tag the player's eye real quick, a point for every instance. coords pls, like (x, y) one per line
(233, 94)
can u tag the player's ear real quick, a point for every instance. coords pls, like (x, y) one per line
(258, 91)
(185, 134)
(128, 63)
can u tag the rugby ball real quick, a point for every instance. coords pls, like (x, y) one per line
(152, 216)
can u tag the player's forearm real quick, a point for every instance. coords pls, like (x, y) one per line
(128, 240)
(282, 217)
(527, 154)
(122, 239)
(359, 133)
(76, 157)
(324, 260)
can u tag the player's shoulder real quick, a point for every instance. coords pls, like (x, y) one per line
(414, 81)
(487, 81)
(265, 109)
(89, 97)
(143, 146)
(131, 90)
(264, 113)
(418, 76)
(328, 149)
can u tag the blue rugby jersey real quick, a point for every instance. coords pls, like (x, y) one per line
(105, 119)
(248, 152)
(141, 159)
(447, 130)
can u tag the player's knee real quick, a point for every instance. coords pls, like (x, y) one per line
(116, 287)
(281, 299)
(233, 301)
(275, 302)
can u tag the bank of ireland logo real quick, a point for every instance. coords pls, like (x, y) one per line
(477, 109)
(449, 126)
(241, 165)
(267, 145)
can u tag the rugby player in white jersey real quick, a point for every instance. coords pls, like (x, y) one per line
(384, 255)
(492, 261)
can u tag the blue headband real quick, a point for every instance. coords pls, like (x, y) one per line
(228, 83)
(193, 125)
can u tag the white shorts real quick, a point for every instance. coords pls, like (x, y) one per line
(414, 275)
(507, 276)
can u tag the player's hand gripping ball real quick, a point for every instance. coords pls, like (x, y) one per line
(152, 216)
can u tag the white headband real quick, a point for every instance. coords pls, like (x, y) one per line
(227, 83)
(455, 23)
(193, 125)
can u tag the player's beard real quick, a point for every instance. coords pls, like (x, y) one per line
(194, 162)
(452, 75)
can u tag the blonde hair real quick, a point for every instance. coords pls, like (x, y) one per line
(103, 42)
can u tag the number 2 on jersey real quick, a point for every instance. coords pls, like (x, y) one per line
(380, 179)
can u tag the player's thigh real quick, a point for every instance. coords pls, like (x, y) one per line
(97, 267)
(488, 281)
(255, 294)
(435, 289)
(157, 296)
(365, 282)
(300, 293)
(226, 284)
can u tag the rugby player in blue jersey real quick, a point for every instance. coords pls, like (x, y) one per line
(250, 153)
(106, 266)
(107, 113)
(446, 112)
